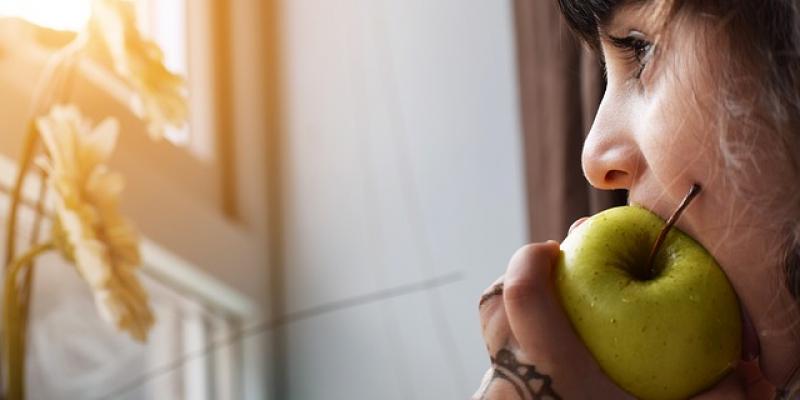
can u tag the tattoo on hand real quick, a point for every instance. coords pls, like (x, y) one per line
(527, 382)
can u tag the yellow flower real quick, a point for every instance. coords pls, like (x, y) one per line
(89, 229)
(158, 93)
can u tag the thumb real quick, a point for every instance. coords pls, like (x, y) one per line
(535, 315)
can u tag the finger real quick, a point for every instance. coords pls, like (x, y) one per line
(495, 289)
(494, 325)
(494, 322)
(534, 314)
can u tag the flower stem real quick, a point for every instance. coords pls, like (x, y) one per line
(28, 273)
(10, 333)
(50, 88)
(13, 349)
(31, 139)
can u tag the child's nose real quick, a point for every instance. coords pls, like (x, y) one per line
(611, 156)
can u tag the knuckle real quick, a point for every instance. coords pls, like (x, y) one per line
(521, 290)
(530, 254)
(495, 290)
(531, 265)
(524, 253)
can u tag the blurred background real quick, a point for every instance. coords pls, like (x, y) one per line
(353, 175)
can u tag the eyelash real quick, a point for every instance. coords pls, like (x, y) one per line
(636, 49)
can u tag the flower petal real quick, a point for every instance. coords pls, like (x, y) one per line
(89, 230)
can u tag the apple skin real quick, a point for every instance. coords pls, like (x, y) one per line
(663, 338)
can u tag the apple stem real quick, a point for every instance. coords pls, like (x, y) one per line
(693, 192)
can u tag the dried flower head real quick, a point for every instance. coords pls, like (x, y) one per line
(158, 96)
(89, 229)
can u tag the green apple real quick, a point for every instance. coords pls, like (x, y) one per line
(666, 336)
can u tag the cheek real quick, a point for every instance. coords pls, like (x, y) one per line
(678, 141)
(681, 139)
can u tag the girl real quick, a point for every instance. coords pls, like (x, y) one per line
(698, 91)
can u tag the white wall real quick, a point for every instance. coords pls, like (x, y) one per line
(402, 164)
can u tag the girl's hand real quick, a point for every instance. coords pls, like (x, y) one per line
(534, 351)
(536, 354)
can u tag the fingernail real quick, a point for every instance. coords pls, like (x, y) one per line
(576, 224)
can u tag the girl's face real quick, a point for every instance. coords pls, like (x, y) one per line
(655, 134)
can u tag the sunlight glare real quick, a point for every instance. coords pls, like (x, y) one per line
(69, 15)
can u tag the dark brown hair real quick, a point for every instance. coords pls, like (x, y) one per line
(764, 29)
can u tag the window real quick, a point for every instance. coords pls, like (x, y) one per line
(55, 14)
(205, 265)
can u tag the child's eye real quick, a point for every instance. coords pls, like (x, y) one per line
(636, 48)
